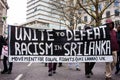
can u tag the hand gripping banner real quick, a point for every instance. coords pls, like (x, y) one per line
(37, 45)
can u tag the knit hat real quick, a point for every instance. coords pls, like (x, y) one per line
(109, 21)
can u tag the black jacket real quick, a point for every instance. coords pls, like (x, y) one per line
(2, 42)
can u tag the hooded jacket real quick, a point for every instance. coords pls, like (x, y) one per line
(113, 35)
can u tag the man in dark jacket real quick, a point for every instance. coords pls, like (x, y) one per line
(88, 65)
(118, 53)
(2, 41)
(114, 47)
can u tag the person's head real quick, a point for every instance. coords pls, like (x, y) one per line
(87, 27)
(118, 28)
(6, 41)
(110, 24)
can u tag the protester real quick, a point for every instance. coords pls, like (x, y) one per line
(77, 66)
(114, 49)
(88, 65)
(52, 68)
(118, 53)
(2, 41)
(7, 67)
(59, 65)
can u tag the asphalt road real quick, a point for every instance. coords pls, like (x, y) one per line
(37, 71)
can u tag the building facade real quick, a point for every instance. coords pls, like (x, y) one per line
(43, 12)
(3, 16)
(46, 12)
(112, 12)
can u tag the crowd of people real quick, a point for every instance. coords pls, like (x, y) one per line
(115, 48)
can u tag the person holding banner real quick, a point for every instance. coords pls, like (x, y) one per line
(114, 46)
(5, 59)
(59, 65)
(2, 41)
(52, 68)
(88, 65)
(118, 53)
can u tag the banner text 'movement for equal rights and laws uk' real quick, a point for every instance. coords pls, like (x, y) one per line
(36, 45)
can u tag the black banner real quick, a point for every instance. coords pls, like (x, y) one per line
(27, 44)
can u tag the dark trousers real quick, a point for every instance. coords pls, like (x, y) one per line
(6, 63)
(52, 66)
(118, 61)
(88, 67)
(60, 64)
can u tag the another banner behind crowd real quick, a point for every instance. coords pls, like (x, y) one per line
(36, 45)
